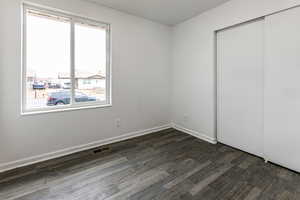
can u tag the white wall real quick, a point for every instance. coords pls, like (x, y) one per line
(193, 72)
(141, 85)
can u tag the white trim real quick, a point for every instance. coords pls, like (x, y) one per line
(216, 86)
(219, 89)
(65, 108)
(196, 134)
(23, 58)
(75, 149)
(63, 13)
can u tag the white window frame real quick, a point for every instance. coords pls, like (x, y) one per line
(73, 105)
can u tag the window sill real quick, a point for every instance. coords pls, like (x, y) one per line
(64, 109)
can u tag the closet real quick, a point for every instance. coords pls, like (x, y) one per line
(240, 77)
(282, 89)
(258, 74)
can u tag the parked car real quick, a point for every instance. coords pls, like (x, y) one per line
(67, 86)
(38, 86)
(63, 98)
(54, 85)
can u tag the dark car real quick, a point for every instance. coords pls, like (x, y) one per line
(63, 98)
(54, 85)
(38, 86)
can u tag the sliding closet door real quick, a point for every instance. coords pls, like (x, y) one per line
(240, 86)
(282, 89)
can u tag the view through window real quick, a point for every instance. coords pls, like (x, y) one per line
(66, 61)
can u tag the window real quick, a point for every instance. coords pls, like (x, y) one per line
(66, 62)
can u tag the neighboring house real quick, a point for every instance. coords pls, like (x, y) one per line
(86, 81)
(32, 78)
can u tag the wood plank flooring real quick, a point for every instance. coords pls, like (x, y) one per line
(168, 165)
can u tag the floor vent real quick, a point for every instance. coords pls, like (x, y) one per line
(100, 150)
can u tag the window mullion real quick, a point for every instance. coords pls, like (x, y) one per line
(108, 64)
(72, 100)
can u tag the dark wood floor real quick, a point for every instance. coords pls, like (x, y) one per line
(169, 165)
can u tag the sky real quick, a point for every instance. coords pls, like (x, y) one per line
(48, 47)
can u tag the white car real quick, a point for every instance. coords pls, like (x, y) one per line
(67, 86)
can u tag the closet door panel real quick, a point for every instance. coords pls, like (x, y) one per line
(282, 88)
(240, 86)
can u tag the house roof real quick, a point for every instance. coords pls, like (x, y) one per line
(82, 75)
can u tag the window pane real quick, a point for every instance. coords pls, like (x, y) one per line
(48, 60)
(90, 63)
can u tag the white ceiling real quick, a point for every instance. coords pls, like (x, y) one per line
(169, 12)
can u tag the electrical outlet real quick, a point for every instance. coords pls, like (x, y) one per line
(118, 122)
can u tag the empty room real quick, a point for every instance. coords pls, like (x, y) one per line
(149, 99)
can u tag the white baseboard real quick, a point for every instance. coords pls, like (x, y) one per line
(75, 149)
(195, 133)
